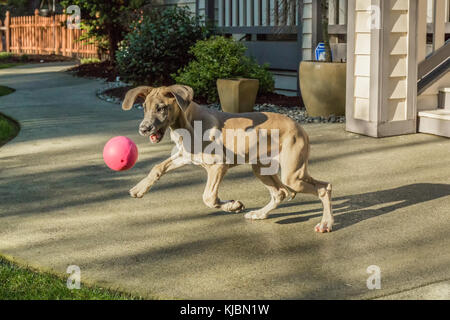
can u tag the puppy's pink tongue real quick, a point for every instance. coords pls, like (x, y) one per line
(155, 137)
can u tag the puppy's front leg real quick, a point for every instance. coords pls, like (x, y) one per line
(157, 171)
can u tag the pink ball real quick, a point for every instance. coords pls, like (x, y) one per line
(120, 153)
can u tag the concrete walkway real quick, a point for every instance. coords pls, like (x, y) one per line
(60, 206)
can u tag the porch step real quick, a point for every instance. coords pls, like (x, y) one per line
(285, 82)
(435, 122)
(444, 98)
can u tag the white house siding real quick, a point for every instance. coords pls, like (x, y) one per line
(188, 3)
(202, 12)
(192, 6)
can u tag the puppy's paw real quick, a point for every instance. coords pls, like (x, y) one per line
(256, 215)
(140, 189)
(233, 206)
(323, 227)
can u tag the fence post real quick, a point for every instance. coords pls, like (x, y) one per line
(7, 31)
(57, 34)
(64, 35)
(37, 35)
(53, 33)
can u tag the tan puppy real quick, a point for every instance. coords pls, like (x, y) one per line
(173, 107)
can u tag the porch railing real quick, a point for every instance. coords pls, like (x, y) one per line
(258, 16)
(337, 16)
(433, 18)
(269, 16)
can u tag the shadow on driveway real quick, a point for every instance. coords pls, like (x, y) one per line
(356, 208)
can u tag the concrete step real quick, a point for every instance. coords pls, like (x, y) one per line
(444, 98)
(435, 122)
(285, 82)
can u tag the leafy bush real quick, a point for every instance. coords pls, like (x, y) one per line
(24, 58)
(219, 57)
(16, 7)
(89, 60)
(102, 21)
(157, 46)
(5, 55)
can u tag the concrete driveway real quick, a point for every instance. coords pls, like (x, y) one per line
(60, 206)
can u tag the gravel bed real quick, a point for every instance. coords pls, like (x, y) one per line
(295, 113)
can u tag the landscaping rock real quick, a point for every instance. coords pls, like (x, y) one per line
(296, 113)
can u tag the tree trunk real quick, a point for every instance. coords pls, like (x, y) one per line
(113, 40)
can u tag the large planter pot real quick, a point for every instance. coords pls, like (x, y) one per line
(322, 85)
(237, 95)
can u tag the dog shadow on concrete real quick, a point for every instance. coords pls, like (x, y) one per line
(352, 209)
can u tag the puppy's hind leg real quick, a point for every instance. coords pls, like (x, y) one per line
(278, 192)
(323, 191)
(294, 175)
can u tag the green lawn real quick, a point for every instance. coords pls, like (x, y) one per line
(8, 128)
(5, 90)
(9, 65)
(18, 283)
(5, 62)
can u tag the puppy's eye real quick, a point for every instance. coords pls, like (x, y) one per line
(161, 108)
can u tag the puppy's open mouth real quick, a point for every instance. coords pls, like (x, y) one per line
(157, 136)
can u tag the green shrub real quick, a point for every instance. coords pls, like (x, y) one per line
(157, 46)
(220, 57)
(5, 55)
(89, 60)
(24, 58)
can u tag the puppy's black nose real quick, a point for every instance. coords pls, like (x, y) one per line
(145, 129)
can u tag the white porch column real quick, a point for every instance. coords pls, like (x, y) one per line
(381, 67)
(307, 30)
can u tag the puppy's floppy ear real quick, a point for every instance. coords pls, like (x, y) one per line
(183, 95)
(132, 95)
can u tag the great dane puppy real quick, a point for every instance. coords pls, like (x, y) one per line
(173, 108)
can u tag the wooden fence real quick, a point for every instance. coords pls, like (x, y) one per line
(44, 35)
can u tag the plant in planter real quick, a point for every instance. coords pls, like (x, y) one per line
(223, 58)
(322, 83)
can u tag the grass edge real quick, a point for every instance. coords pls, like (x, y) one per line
(86, 283)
